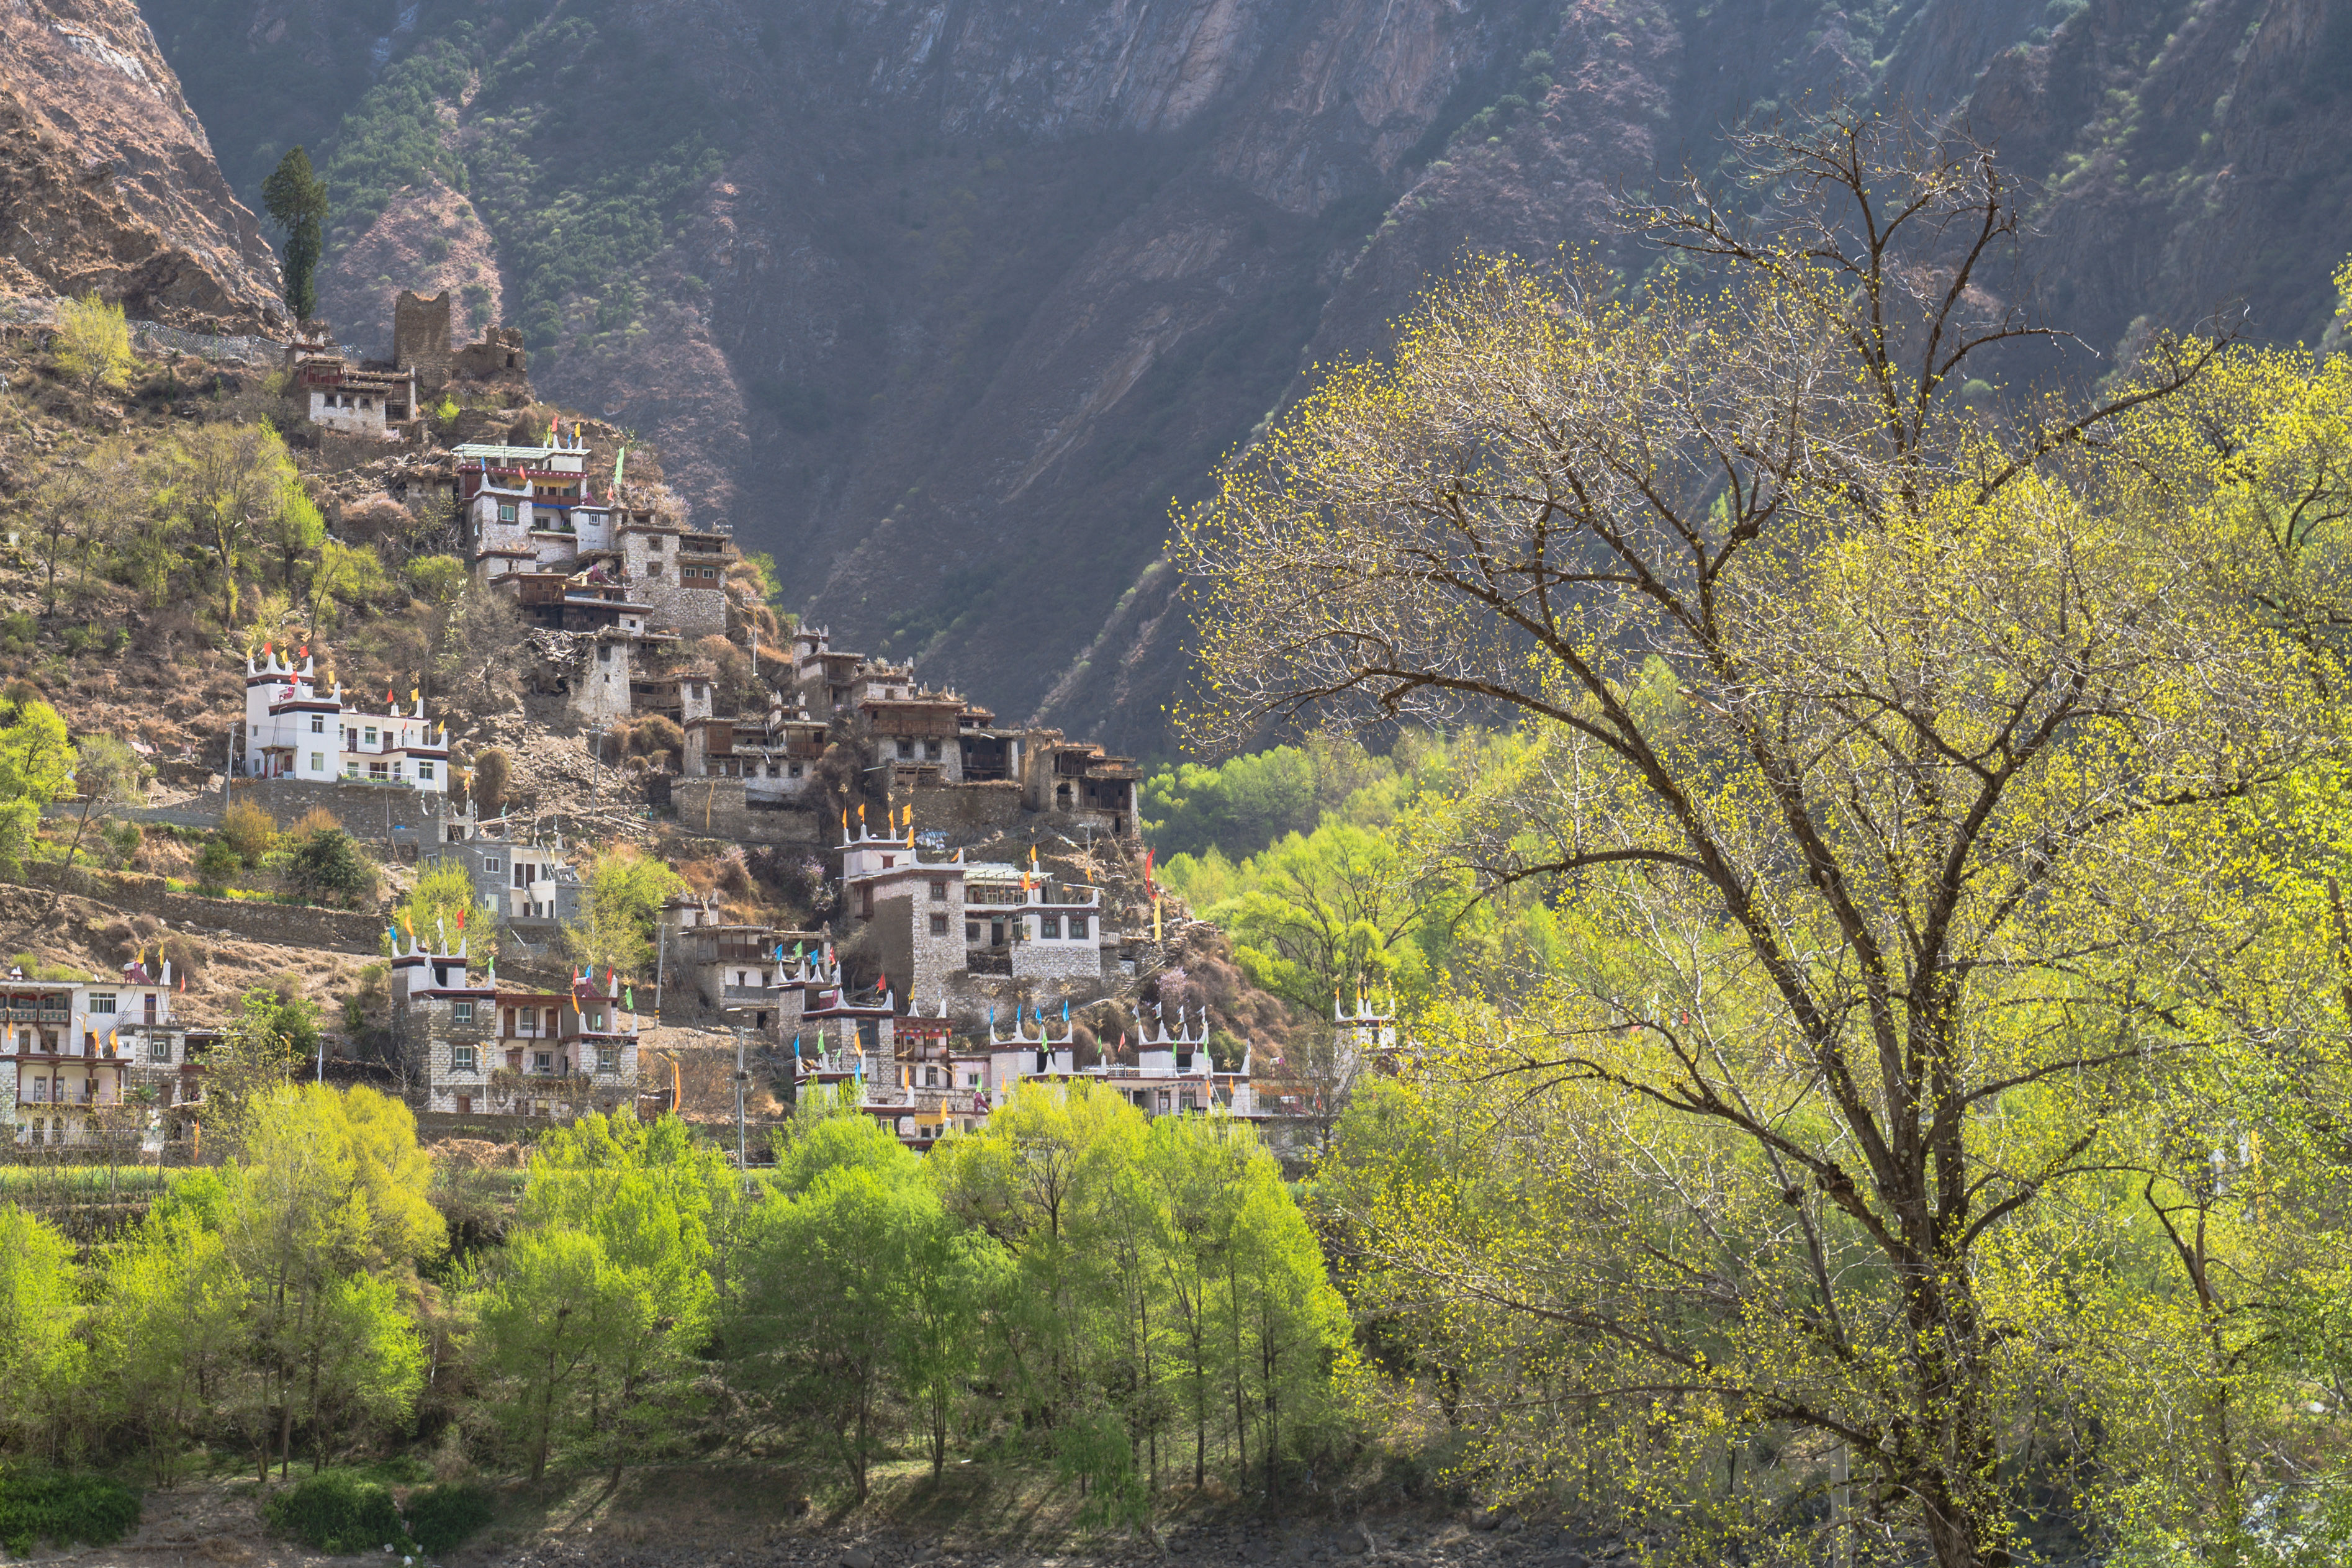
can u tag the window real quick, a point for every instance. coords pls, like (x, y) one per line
(424, 772)
(771, 770)
(972, 1080)
(794, 770)
(939, 892)
(608, 1058)
(906, 750)
(379, 770)
(101, 1002)
(318, 723)
(931, 750)
(159, 1047)
(938, 925)
(604, 653)
(506, 511)
(711, 572)
(461, 1058)
(1077, 927)
(930, 1077)
(653, 542)
(461, 1011)
(370, 735)
(971, 930)
(542, 1061)
(318, 761)
(596, 1021)
(1049, 926)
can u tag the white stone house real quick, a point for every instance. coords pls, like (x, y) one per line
(933, 918)
(294, 730)
(477, 1048)
(72, 1052)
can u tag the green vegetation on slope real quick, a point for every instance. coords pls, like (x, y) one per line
(1155, 1308)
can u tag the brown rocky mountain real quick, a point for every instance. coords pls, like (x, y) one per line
(944, 304)
(107, 180)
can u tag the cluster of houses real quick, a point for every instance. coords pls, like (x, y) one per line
(83, 1061)
(622, 596)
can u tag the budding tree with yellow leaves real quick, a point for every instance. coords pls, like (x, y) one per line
(1916, 774)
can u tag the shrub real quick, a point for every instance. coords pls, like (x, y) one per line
(318, 819)
(248, 829)
(17, 632)
(215, 864)
(441, 1517)
(329, 863)
(491, 772)
(338, 1513)
(64, 1509)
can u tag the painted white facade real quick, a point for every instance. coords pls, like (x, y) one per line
(293, 729)
(71, 1048)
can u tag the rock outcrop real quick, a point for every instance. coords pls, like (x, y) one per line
(964, 296)
(107, 181)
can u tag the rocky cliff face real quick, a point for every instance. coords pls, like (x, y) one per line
(107, 181)
(945, 303)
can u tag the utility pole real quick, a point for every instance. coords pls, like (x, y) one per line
(661, 956)
(743, 1077)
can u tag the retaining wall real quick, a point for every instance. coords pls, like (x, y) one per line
(716, 807)
(283, 925)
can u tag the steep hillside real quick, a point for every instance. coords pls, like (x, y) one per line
(107, 181)
(944, 306)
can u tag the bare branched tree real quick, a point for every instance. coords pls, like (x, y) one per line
(1885, 735)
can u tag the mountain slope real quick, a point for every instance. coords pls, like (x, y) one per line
(944, 304)
(107, 181)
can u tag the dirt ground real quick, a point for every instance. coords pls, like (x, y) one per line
(752, 1516)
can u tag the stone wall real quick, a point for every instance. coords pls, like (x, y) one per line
(420, 337)
(368, 812)
(966, 809)
(1058, 960)
(283, 925)
(716, 807)
(919, 960)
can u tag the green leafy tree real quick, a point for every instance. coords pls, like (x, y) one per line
(441, 910)
(166, 1334)
(232, 482)
(295, 531)
(556, 1311)
(42, 1356)
(274, 1031)
(329, 862)
(331, 1189)
(592, 1319)
(625, 891)
(438, 579)
(36, 761)
(347, 577)
(1891, 915)
(93, 342)
(824, 1299)
(107, 776)
(295, 199)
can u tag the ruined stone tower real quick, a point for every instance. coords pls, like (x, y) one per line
(420, 337)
